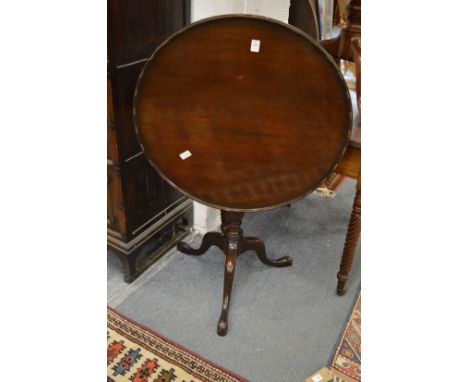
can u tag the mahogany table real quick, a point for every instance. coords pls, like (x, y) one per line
(241, 113)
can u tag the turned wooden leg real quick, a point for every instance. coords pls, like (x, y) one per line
(231, 225)
(352, 236)
(210, 238)
(257, 245)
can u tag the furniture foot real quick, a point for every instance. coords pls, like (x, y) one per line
(128, 265)
(211, 238)
(352, 236)
(257, 245)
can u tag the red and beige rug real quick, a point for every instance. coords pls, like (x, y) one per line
(138, 354)
(346, 361)
(345, 364)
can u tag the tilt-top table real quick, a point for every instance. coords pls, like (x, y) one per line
(244, 114)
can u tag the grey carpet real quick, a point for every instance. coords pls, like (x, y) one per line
(283, 323)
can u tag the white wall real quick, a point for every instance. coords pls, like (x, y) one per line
(276, 9)
(206, 218)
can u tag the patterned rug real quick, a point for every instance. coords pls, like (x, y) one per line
(138, 354)
(346, 360)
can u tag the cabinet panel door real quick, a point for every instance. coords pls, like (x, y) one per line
(147, 193)
(116, 220)
(112, 147)
(137, 27)
(124, 85)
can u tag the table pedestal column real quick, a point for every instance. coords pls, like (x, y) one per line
(232, 242)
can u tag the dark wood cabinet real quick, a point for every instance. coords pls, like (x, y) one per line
(145, 215)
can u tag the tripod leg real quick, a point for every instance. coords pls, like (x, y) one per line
(257, 245)
(231, 227)
(229, 269)
(211, 238)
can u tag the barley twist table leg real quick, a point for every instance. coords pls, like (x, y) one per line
(352, 236)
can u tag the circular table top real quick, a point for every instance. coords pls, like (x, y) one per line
(242, 113)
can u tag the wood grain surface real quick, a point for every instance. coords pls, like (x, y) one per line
(263, 129)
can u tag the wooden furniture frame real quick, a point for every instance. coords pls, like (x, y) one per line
(350, 166)
(303, 15)
(347, 46)
(246, 127)
(145, 215)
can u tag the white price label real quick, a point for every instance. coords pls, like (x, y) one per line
(186, 154)
(317, 378)
(255, 46)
